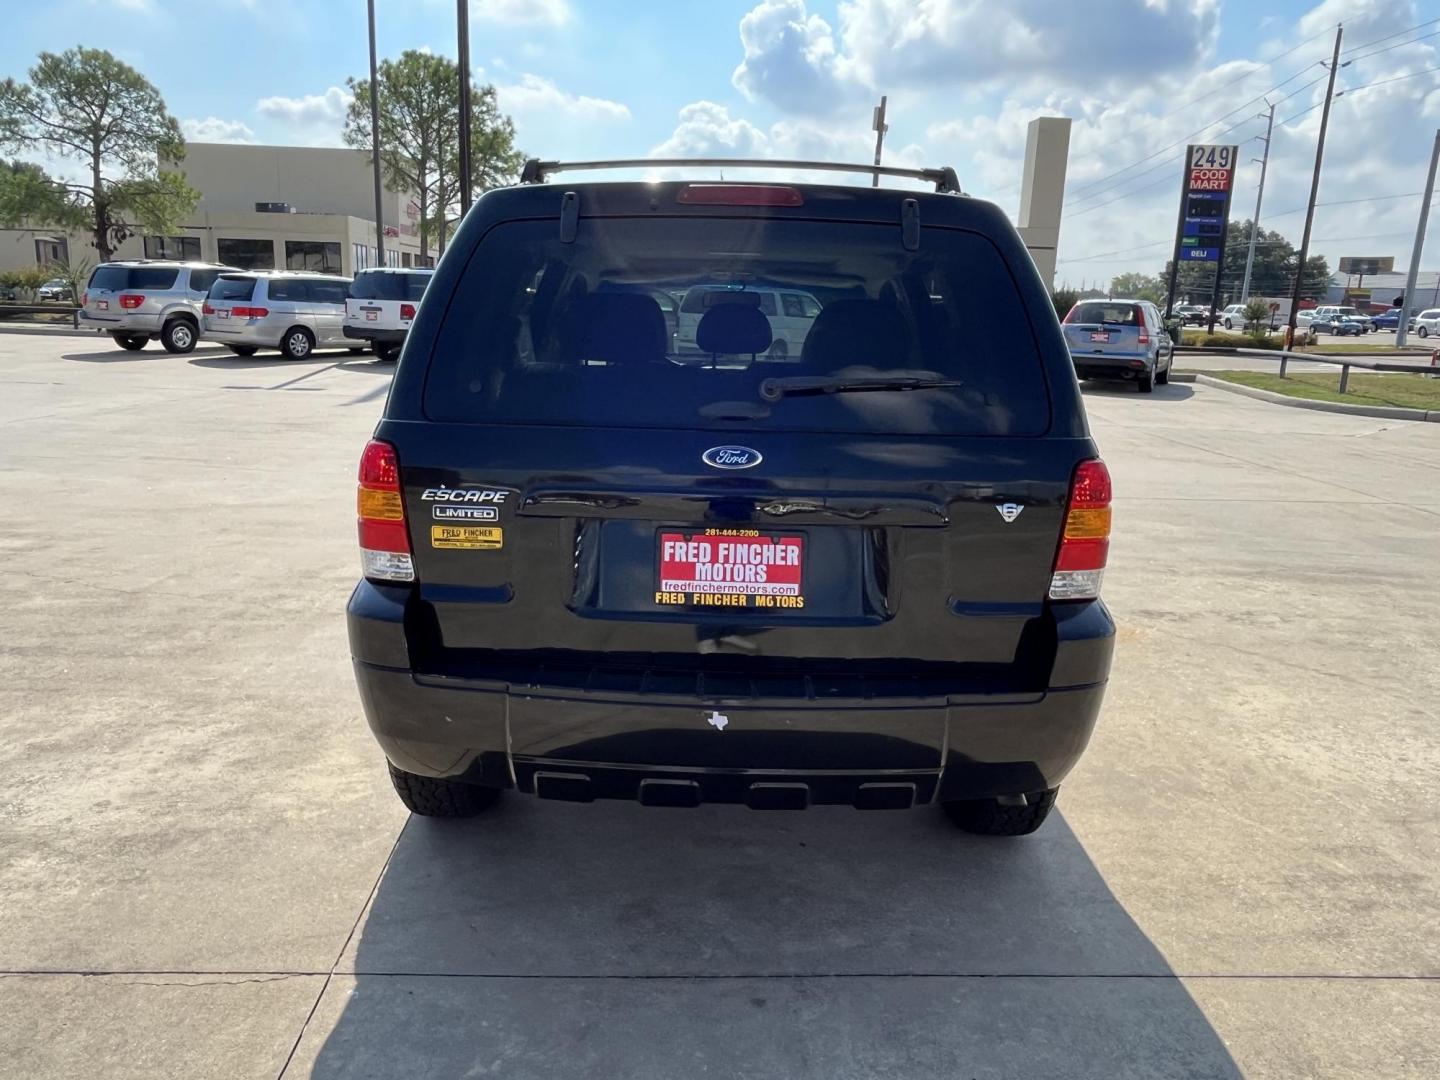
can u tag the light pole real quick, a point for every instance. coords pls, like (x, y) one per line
(462, 19)
(1412, 277)
(878, 122)
(1259, 196)
(1314, 191)
(375, 143)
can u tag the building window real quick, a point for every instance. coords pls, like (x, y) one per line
(392, 257)
(246, 254)
(322, 256)
(360, 254)
(173, 247)
(50, 250)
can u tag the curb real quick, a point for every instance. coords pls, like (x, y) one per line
(46, 331)
(1384, 413)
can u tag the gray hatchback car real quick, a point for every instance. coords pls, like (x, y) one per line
(293, 311)
(140, 300)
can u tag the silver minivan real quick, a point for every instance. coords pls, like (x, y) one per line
(138, 300)
(292, 311)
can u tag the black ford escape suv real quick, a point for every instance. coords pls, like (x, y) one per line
(596, 567)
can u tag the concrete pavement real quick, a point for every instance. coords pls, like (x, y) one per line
(203, 872)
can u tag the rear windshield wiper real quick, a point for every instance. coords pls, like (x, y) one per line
(775, 389)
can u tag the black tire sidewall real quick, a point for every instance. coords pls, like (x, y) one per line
(167, 336)
(130, 342)
(285, 343)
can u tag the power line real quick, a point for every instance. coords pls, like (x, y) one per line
(1387, 37)
(1397, 45)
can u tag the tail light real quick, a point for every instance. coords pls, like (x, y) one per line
(384, 540)
(249, 312)
(206, 309)
(1085, 542)
(1144, 329)
(407, 311)
(85, 298)
(130, 301)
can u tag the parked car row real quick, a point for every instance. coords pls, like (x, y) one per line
(183, 303)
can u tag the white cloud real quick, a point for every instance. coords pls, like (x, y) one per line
(215, 130)
(312, 110)
(523, 12)
(795, 60)
(533, 94)
(706, 129)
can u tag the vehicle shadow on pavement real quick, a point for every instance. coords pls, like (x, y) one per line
(117, 355)
(550, 940)
(227, 361)
(1114, 388)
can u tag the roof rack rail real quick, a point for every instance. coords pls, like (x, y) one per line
(944, 178)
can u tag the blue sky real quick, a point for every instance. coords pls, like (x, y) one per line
(798, 78)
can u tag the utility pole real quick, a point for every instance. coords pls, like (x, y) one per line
(1314, 190)
(462, 18)
(375, 143)
(1411, 279)
(1259, 195)
(878, 123)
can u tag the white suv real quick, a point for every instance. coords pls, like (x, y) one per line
(381, 305)
(1427, 322)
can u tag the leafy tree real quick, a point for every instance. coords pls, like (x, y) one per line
(1138, 287)
(87, 105)
(1064, 300)
(420, 134)
(1272, 275)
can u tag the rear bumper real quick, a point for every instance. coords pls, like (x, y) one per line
(1111, 365)
(123, 322)
(565, 743)
(261, 333)
(376, 334)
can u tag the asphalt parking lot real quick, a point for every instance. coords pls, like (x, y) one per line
(203, 871)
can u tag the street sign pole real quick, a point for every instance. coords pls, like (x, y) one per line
(1219, 273)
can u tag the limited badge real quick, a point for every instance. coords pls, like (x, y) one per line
(467, 537)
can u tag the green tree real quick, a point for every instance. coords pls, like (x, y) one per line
(1138, 287)
(1272, 275)
(87, 105)
(1064, 300)
(420, 134)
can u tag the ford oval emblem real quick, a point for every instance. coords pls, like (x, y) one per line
(731, 457)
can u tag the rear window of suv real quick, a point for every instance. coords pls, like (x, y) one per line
(118, 278)
(386, 285)
(544, 332)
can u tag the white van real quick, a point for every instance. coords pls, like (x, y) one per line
(790, 313)
(381, 305)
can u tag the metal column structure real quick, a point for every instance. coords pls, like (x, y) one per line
(375, 143)
(1412, 277)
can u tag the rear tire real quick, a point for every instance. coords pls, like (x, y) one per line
(432, 797)
(179, 335)
(1163, 377)
(131, 342)
(243, 350)
(297, 343)
(1424, 331)
(986, 817)
(1146, 382)
(1229, 325)
(386, 352)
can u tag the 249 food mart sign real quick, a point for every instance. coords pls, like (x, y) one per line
(1205, 202)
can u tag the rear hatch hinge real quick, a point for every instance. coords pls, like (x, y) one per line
(569, 216)
(910, 224)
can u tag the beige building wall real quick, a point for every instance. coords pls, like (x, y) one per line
(331, 189)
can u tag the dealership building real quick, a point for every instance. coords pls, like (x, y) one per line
(261, 207)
